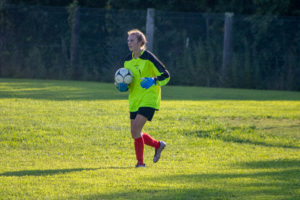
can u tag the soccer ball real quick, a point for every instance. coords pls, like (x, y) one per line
(123, 75)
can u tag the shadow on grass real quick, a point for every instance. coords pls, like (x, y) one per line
(272, 164)
(288, 170)
(268, 180)
(76, 90)
(54, 171)
(220, 134)
(162, 194)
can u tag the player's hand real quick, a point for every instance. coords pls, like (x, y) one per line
(147, 82)
(122, 87)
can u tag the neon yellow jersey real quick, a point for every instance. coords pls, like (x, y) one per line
(147, 65)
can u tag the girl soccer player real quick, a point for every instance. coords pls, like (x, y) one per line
(144, 93)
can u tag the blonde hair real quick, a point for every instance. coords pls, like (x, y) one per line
(140, 37)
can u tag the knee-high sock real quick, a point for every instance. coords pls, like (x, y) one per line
(148, 140)
(139, 149)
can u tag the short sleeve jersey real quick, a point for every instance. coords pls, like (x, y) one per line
(147, 65)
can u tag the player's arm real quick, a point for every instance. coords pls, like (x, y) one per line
(162, 74)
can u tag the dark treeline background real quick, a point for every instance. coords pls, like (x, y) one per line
(87, 39)
(249, 7)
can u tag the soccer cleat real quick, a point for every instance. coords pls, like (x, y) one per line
(140, 165)
(158, 151)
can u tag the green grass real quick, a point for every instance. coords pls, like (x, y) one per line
(71, 140)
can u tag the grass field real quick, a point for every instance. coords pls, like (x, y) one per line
(71, 140)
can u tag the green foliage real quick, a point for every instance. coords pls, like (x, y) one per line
(265, 54)
(196, 66)
(273, 7)
(36, 41)
(260, 7)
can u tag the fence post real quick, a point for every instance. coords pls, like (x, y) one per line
(74, 57)
(227, 47)
(150, 28)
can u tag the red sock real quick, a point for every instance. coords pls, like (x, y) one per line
(139, 149)
(150, 141)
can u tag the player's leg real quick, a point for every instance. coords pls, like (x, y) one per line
(137, 125)
(148, 113)
(148, 140)
(158, 145)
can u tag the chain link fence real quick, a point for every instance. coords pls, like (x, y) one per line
(40, 42)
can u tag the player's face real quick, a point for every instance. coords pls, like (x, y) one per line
(133, 43)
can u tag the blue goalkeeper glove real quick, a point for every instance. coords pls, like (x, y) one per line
(147, 82)
(122, 87)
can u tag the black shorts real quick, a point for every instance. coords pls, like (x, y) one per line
(147, 112)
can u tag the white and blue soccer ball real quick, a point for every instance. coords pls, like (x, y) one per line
(123, 75)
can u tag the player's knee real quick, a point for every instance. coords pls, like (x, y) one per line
(135, 133)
